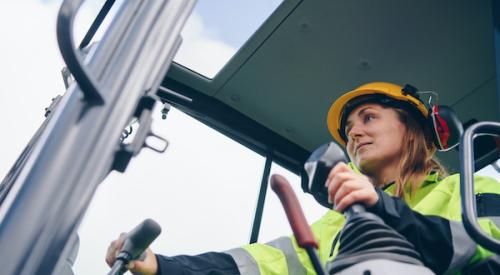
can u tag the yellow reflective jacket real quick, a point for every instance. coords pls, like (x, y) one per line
(436, 200)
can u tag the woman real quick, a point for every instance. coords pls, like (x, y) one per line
(386, 133)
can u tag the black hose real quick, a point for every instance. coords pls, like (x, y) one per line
(97, 23)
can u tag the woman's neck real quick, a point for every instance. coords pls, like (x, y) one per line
(382, 176)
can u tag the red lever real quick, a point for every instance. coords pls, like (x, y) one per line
(296, 218)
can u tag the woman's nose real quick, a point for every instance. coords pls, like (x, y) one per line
(355, 131)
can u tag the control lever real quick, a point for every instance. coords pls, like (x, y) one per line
(138, 239)
(317, 167)
(364, 236)
(297, 220)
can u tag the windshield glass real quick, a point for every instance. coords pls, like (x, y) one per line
(202, 191)
(216, 30)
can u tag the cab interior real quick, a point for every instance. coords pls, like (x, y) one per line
(274, 93)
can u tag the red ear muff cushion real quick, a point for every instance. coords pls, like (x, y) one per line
(447, 127)
(441, 128)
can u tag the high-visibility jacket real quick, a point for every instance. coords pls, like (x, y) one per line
(430, 219)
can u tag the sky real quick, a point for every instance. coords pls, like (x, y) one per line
(222, 27)
(203, 192)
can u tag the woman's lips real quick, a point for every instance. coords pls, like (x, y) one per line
(361, 145)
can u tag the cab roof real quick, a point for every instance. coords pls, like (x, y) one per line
(274, 94)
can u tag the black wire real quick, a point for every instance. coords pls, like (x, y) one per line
(97, 23)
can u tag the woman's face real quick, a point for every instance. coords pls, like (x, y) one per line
(375, 137)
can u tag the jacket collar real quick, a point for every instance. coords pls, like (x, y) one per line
(432, 178)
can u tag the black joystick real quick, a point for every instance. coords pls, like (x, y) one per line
(365, 236)
(317, 168)
(137, 241)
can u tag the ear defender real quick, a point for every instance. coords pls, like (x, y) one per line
(445, 127)
(444, 124)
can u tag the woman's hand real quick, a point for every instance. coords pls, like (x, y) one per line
(148, 266)
(346, 187)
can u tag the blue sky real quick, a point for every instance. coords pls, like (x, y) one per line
(239, 19)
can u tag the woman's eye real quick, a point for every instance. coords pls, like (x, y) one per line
(368, 117)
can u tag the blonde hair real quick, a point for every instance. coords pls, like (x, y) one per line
(417, 156)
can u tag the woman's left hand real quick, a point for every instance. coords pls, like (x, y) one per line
(346, 187)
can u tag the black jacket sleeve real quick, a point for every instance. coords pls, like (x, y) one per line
(431, 235)
(213, 263)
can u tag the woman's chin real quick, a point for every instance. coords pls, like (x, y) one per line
(366, 163)
(364, 158)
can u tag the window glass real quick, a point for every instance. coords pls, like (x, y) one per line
(274, 222)
(217, 29)
(202, 191)
(492, 170)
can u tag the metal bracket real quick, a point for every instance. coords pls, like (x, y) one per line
(67, 77)
(143, 133)
(52, 105)
(165, 110)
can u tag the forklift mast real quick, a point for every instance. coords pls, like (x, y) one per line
(46, 193)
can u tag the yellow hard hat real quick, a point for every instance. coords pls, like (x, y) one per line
(381, 92)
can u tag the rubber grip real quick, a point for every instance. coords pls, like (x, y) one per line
(293, 211)
(139, 238)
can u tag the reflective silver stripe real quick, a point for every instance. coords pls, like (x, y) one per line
(245, 262)
(463, 246)
(284, 244)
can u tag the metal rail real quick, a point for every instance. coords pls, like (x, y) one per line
(468, 199)
(85, 80)
(259, 210)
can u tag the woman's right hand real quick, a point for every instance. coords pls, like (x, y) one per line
(147, 266)
(346, 187)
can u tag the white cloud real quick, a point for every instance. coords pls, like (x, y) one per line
(201, 51)
(30, 66)
(29, 71)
